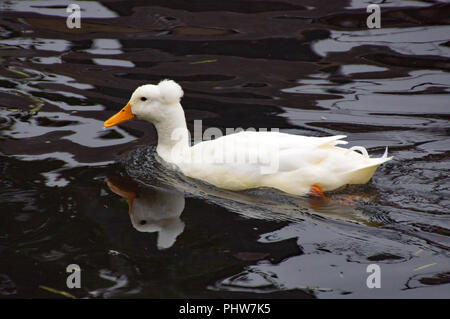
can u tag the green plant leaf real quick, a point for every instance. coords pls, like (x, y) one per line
(59, 292)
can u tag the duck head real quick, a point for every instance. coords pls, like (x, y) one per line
(153, 103)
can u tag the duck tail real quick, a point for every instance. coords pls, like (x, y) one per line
(384, 158)
(362, 174)
(385, 155)
(375, 161)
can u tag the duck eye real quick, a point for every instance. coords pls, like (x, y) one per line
(143, 99)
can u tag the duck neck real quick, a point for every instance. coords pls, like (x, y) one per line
(173, 135)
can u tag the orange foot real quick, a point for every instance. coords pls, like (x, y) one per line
(316, 192)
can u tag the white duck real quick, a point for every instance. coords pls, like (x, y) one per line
(291, 163)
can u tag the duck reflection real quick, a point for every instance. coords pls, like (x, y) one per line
(158, 208)
(152, 209)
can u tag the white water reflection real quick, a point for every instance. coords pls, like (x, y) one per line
(359, 68)
(36, 43)
(105, 47)
(108, 47)
(54, 177)
(114, 62)
(334, 262)
(375, 97)
(84, 131)
(409, 41)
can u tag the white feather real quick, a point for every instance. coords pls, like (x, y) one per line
(171, 91)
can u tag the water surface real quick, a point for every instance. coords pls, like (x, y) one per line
(309, 67)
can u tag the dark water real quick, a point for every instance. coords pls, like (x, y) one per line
(309, 67)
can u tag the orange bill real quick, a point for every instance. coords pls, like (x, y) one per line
(122, 192)
(122, 116)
